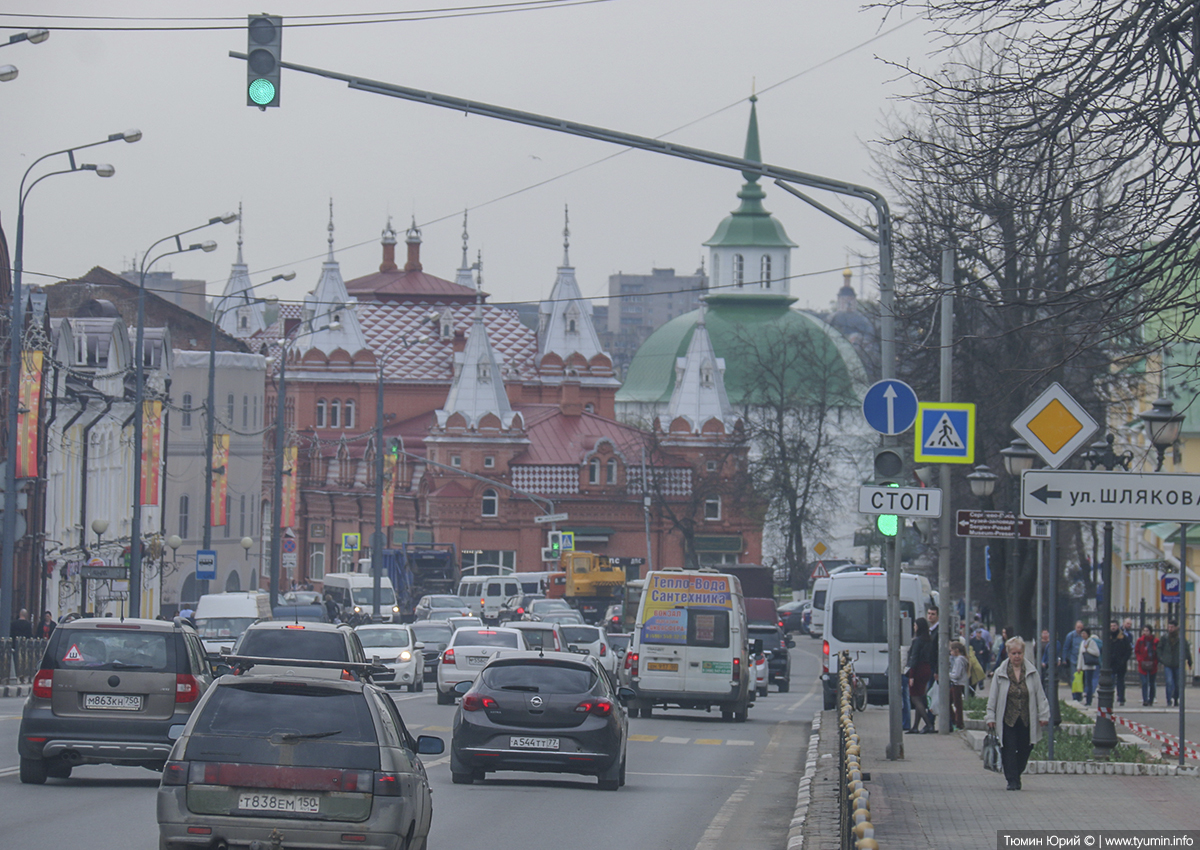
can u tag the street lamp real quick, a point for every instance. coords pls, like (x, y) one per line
(139, 363)
(983, 483)
(1163, 425)
(9, 72)
(1019, 457)
(211, 411)
(16, 330)
(246, 543)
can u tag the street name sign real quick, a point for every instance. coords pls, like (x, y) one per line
(551, 518)
(1101, 495)
(206, 565)
(890, 407)
(999, 524)
(1055, 425)
(105, 572)
(901, 501)
(945, 433)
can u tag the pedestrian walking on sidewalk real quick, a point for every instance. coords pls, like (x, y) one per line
(1088, 663)
(920, 672)
(1070, 655)
(1146, 652)
(1017, 710)
(1122, 651)
(960, 672)
(1168, 657)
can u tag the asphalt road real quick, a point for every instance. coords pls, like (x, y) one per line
(693, 783)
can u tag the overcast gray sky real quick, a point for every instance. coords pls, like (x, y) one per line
(640, 66)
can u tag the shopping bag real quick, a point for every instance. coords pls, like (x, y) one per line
(931, 697)
(1077, 682)
(991, 753)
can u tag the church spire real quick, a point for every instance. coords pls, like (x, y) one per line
(238, 313)
(464, 276)
(330, 314)
(566, 236)
(699, 395)
(565, 324)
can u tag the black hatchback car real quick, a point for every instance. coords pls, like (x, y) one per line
(776, 645)
(547, 712)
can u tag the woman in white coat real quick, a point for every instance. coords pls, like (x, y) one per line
(1017, 710)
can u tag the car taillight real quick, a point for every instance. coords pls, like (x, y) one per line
(43, 684)
(631, 663)
(781, 624)
(175, 773)
(186, 688)
(824, 656)
(347, 676)
(599, 707)
(520, 610)
(737, 671)
(475, 702)
(448, 657)
(603, 650)
(388, 785)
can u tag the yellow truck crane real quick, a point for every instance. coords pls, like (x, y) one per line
(593, 583)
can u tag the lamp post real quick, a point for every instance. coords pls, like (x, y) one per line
(211, 410)
(1163, 426)
(983, 484)
(246, 543)
(139, 391)
(37, 36)
(99, 526)
(1101, 454)
(16, 331)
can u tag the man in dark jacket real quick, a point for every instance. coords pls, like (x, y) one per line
(1168, 657)
(21, 627)
(1122, 651)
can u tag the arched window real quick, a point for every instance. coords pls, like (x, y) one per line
(739, 268)
(245, 411)
(764, 271)
(589, 407)
(484, 370)
(184, 503)
(335, 413)
(594, 471)
(187, 410)
(245, 322)
(610, 471)
(349, 411)
(489, 505)
(571, 326)
(321, 413)
(229, 402)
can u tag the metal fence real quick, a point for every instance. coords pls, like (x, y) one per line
(19, 659)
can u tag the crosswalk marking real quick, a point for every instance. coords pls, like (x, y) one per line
(644, 738)
(716, 741)
(666, 739)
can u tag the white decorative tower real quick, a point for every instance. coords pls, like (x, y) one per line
(699, 396)
(330, 314)
(240, 314)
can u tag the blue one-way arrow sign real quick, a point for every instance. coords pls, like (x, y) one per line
(890, 407)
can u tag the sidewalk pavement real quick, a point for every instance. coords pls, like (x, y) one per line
(940, 796)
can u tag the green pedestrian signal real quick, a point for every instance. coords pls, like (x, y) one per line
(888, 524)
(264, 35)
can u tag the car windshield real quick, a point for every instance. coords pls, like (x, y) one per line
(563, 617)
(101, 649)
(294, 643)
(765, 634)
(540, 605)
(389, 638)
(286, 713)
(230, 628)
(485, 637)
(580, 634)
(538, 638)
(539, 676)
(366, 596)
(447, 602)
(432, 633)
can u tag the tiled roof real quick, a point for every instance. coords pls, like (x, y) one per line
(558, 439)
(409, 285)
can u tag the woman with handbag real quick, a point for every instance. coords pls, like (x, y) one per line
(1088, 663)
(920, 671)
(1017, 710)
(1146, 653)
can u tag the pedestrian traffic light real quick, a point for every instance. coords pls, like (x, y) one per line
(264, 35)
(888, 524)
(394, 447)
(554, 542)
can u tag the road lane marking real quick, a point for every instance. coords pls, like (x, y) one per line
(644, 738)
(716, 741)
(809, 694)
(714, 836)
(437, 729)
(689, 775)
(739, 743)
(667, 739)
(8, 771)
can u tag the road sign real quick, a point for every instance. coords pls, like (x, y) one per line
(1055, 425)
(206, 565)
(1170, 590)
(901, 501)
(985, 524)
(890, 407)
(568, 541)
(819, 570)
(1101, 495)
(550, 518)
(1033, 529)
(289, 545)
(945, 433)
(103, 571)
(351, 542)
(287, 560)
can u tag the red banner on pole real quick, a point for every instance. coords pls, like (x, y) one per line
(27, 414)
(220, 487)
(151, 452)
(287, 517)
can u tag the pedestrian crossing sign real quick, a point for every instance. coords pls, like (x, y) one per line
(945, 433)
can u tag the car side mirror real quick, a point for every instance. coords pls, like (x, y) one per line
(430, 745)
(418, 645)
(462, 687)
(791, 643)
(624, 695)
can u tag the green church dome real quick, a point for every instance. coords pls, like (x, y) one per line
(735, 322)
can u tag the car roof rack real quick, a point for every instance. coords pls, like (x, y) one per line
(246, 662)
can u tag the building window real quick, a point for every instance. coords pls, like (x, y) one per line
(456, 461)
(187, 411)
(490, 503)
(503, 557)
(716, 270)
(245, 322)
(712, 507)
(349, 417)
(316, 560)
(739, 267)
(242, 517)
(484, 370)
(589, 408)
(610, 471)
(254, 414)
(489, 462)
(764, 271)
(183, 516)
(245, 411)
(229, 402)
(711, 466)
(335, 413)
(594, 471)
(321, 413)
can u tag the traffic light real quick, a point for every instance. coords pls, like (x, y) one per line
(394, 447)
(554, 543)
(891, 469)
(264, 35)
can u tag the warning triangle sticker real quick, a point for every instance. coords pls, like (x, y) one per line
(73, 654)
(944, 436)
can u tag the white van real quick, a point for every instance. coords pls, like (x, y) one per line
(816, 624)
(485, 594)
(354, 594)
(856, 620)
(222, 617)
(690, 644)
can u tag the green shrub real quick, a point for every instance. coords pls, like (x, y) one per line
(1069, 747)
(1071, 714)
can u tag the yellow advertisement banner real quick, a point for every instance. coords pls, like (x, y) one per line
(287, 517)
(220, 488)
(27, 414)
(152, 435)
(668, 598)
(389, 489)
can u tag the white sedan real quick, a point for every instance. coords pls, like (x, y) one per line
(398, 650)
(468, 651)
(590, 640)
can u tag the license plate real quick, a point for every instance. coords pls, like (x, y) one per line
(113, 702)
(301, 803)
(477, 660)
(668, 667)
(533, 743)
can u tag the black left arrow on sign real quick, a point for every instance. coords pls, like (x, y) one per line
(1044, 494)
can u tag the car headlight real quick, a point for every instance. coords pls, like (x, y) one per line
(357, 610)
(405, 656)
(395, 609)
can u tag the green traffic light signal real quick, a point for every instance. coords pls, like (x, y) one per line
(888, 524)
(261, 91)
